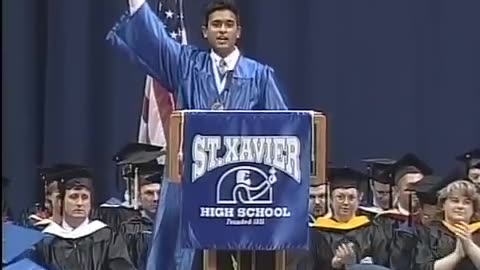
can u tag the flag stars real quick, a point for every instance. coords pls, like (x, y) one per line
(174, 35)
(169, 14)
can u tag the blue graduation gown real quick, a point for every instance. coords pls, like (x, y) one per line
(187, 71)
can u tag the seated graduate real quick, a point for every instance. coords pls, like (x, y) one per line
(18, 247)
(42, 214)
(344, 238)
(318, 206)
(406, 171)
(452, 243)
(379, 196)
(407, 238)
(426, 191)
(471, 161)
(318, 202)
(138, 230)
(130, 158)
(78, 242)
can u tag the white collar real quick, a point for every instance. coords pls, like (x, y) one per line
(371, 209)
(231, 59)
(84, 229)
(68, 228)
(403, 211)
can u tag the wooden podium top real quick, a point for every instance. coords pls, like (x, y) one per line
(175, 141)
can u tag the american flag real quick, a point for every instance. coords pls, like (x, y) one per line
(158, 103)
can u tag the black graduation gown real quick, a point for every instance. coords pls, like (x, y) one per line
(138, 234)
(326, 235)
(114, 216)
(96, 248)
(400, 238)
(440, 242)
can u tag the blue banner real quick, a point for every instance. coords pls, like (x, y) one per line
(245, 181)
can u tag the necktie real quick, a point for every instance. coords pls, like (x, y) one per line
(222, 69)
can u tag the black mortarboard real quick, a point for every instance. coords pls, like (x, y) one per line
(427, 188)
(69, 176)
(137, 153)
(409, 163)
(64, 172)
(152, 179)
(16, 241)
(376, 168)
(345, 178)
(471, 159)
(146, 169)
(139, 159)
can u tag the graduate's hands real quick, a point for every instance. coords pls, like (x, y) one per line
(344, 256)
(337, 263)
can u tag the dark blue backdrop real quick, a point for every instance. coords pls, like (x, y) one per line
(392, 76)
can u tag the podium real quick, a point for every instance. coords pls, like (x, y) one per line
(176, 171)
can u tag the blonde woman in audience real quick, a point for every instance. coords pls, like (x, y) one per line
(452, 242)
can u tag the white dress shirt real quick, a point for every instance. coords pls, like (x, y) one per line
(231, 61)
(135, 5)
(68, 228)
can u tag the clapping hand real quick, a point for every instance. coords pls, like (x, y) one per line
(344, 256)
(464, 236)
(459, 252)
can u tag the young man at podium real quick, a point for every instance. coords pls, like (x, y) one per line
(218, 79)
(221, 78)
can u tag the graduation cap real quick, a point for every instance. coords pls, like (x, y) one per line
(69, 176)
(409, 163)
(16, 242)
(147, 170)
(139, 160)
(376, 168)
(137, 153)
(471, 159)
(345, 178)
(427, 188)
(65, 172)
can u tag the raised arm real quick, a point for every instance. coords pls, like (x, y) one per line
(142, 36)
